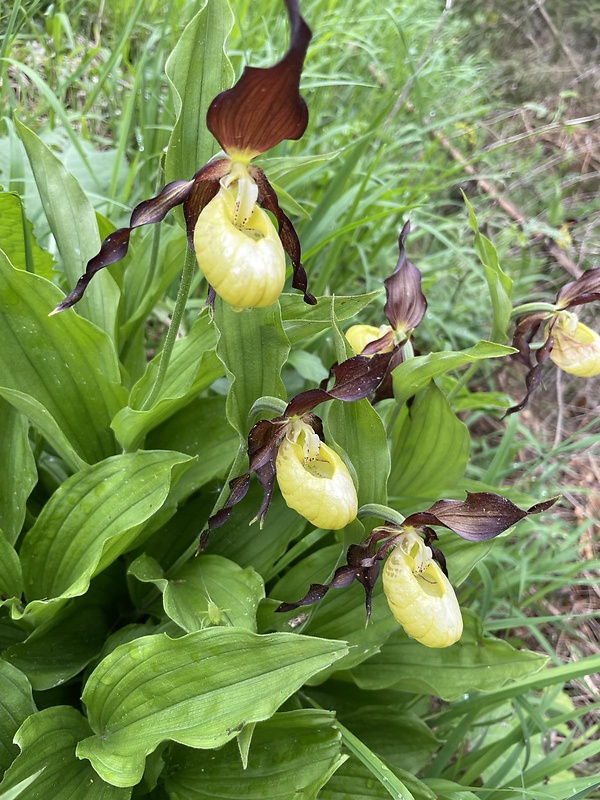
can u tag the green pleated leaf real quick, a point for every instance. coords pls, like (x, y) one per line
(251, 546)
(210, 590)
(72, 220)
(416, 373)
(89, 521)
(461, 555)
(291, 756)
(18, 473)
(47, 741)
(60, 370)
(60, 649)
(473, 663)
(358, 428)
(17, 239)
(192, 368)
(200, 429)
(341, 614)
(430, 450)
(253, 348)
(499, 284)
(301, 321)
(197, 690)
(16, 704)
(11, 577)
(198, 70)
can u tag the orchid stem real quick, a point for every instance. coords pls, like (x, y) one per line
(525, 308)
(462, 381)
(189, 268)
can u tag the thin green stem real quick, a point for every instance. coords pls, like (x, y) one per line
(462, 381)
(189, 269)
(526, 308)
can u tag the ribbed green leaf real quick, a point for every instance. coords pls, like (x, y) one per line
(499, 284)
(90, 520)
(474, 663)
(301, 321)
(62, 368)
(17, 239)
(198, 70)
(18, 474)
(47, 741)
(358, 428)
(210, 590)
(430, 450)
(416, 373)
(341, 614)
(59, 649)
(72, 220)
(11, 577)
(16, 704)
(197, 690)
(292, 755)
(353, 781)
(200, 429)
(192, 368)
(18, 789)
(253, 348)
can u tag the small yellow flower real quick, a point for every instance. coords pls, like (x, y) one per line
(237, 247)
(314, 480)
(576, 347)
(360, 336)
(420, 596)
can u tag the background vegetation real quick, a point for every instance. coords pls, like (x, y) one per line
(409, 104)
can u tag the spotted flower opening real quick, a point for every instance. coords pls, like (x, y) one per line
(224, 203)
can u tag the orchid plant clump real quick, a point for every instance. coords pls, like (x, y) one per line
(139, 611)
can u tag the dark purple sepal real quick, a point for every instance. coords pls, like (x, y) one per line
(585, 289)
(267, 198)
(264, 107)
(354, 379)
(385, 390)
(533, 379)
(406, 304)
(116, 244)
(482, 516)
(376, 346)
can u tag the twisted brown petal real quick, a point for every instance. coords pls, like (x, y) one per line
(264, 107)
(406, 304)
(482, 516)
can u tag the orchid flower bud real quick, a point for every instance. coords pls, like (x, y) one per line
(237, 247)
(420, 596)
(576, 347)
(360, 336)
(314, 480)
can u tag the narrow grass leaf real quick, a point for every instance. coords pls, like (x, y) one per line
(197, 690)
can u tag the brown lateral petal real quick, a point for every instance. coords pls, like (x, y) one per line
(482, 516)
(585, 289)
(355, 378)
(264, 107)
(238, 489)
(533, 378)
(406, 304)
(116, 244)
(267, 198)
(525, 330)
(385, 389)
